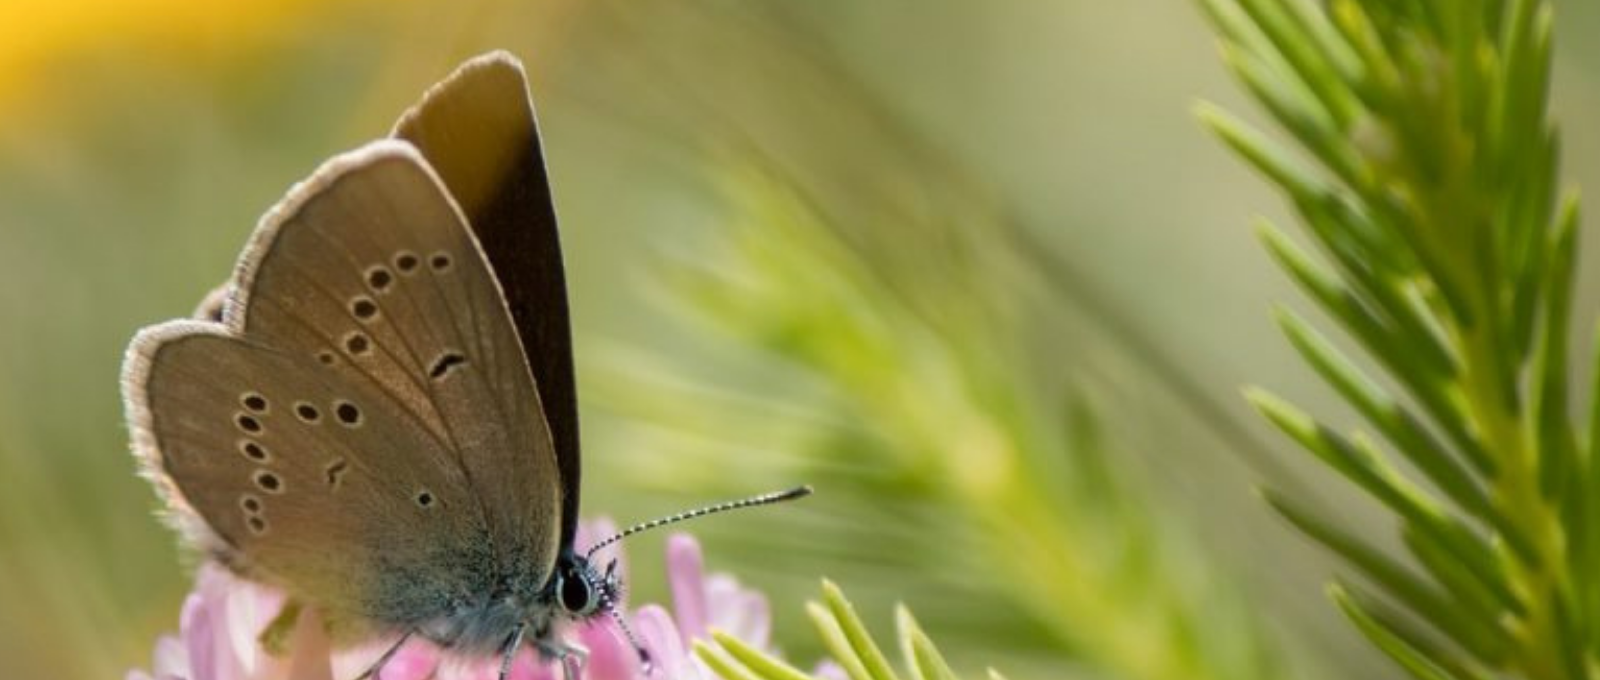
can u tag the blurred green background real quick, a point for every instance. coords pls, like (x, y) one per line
(970, 267)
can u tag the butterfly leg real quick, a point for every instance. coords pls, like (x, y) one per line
(572, 657)
(376, 668)
(513, 645)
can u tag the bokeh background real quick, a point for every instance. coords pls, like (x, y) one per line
(970, 268)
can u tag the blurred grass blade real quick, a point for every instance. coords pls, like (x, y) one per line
(731, 652)
(855, 633)
(924, 659)
(1268, 157)
(1474, 634)
(852, 647)
(722, 663)
(1403, 429)
(1405, 648)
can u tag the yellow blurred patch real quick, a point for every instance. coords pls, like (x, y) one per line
(37, 33)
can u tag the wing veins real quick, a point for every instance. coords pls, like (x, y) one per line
(405, 341)
(453, 445)
(398, 403)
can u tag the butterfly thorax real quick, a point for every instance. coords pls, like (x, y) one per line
(482, 628)
(484, 624)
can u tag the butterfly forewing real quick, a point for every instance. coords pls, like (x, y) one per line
(365, 396)
(477, 130)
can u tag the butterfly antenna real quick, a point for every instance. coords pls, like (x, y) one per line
(645, 663)
(753, 501)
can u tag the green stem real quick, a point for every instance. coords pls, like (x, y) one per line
(1458, 218)
(1517, 496)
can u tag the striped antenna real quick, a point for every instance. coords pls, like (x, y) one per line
(753, 501)
(646, 663)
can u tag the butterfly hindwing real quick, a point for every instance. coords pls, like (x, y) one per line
(285, 501)
(361, 427)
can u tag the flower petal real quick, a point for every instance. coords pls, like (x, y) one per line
(739, 610)
(224, 616)
(828, 669)
(686, 574)
(247, 609)
(171, 659)
(309, 649)
(661, 638)
(198, 628)
(416, 660)
(528, 667)
(457, 668)
(610, 655)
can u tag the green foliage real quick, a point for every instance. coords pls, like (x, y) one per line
(954, 471)
(867, 317)
(1431, 194)
(851, 646)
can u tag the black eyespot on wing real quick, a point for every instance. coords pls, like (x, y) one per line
(440, 261)
(335, 472)
(357, 343)
(306, 412)
(406, 262)
(363, 308)
(257, 525)
(424, 499)
(379, 278)
(268, 482)
(254, 451)
(254, 402)
(248, 423)
(446, 362)
(347, 413)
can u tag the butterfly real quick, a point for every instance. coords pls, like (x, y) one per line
(377, 413)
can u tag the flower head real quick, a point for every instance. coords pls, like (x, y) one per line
(219, 632)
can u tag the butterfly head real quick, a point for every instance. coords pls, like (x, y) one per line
(584, 591)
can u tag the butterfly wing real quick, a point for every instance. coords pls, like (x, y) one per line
(210, 307)
(361, 426)
(477, 129)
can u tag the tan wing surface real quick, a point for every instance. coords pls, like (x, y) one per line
(361, 427)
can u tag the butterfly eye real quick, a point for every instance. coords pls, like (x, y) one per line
(577, 596)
